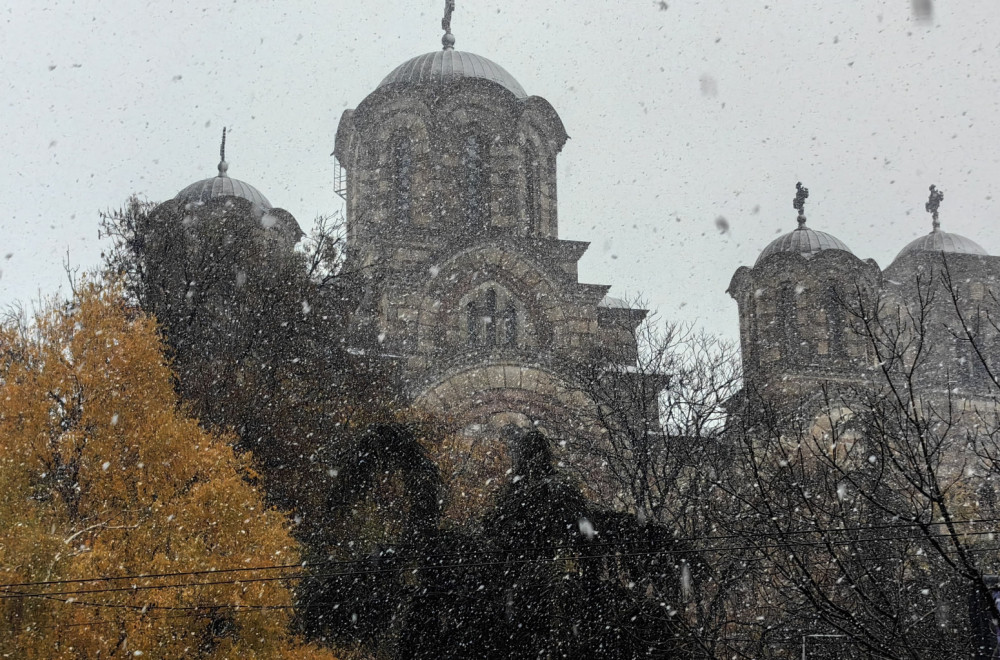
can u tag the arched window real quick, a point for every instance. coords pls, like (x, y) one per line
(474, 198)
(510, 325)
(836, 321)
(532, 192)
(974, 365)
(788, 320)
(403, 178)
(490, 317)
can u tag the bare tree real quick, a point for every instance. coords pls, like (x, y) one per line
(864, 505)
(857, 520)
(658, 396)
(652, 445)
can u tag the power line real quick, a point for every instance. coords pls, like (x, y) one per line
(188, 611)
(461, 565)
(270, 567)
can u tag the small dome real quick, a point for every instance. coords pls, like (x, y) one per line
(223, 186)
(804, 241)
(446, 65)
(942, 241)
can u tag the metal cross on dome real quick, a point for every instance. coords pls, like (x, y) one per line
(223, 165)
(933, 204)
(799, 203)
(448, 40)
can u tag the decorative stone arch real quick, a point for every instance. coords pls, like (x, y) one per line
(361, 137)
(373, 126)
(540, 132)
(347, 150)
(413, 119)
(404, 115)
(541, 113)
(439, 310)
(483, 408)
(498, 395)
(467, 153)
(495, 109)
(491, 117)
(468, 117)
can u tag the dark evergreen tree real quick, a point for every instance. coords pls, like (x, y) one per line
(580, 581)
(548, 575)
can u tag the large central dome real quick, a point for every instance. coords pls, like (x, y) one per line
(447, 65)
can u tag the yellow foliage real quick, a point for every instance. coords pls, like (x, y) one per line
(101, 475)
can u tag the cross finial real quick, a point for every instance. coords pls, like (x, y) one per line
(223, 165)
(799, 203)
(933, 204)
(448, 40)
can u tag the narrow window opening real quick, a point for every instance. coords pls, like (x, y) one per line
(974, 371)
(532, 198)
(490, 318)
(836, 322)
(403, 157)
(474, 184)
(510, 325)
(788, 320)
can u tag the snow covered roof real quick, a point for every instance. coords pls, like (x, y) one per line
(613, 303)
(223, 186)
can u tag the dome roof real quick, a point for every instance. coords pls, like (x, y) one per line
(942, 241)
(446, 65)
(223, 186)
(804, 241)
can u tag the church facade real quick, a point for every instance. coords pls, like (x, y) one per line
(448, 170)
(452, 222)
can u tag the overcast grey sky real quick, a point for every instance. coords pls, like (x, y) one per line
(677, 116)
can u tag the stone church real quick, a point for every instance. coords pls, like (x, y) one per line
(450, 183)
(448, 170)
(808, 306)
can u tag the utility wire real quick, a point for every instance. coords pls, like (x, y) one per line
(270, 567)
(181, 612)
(461, 565)
(188, 611)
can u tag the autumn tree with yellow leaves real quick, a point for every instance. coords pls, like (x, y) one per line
(127, 529)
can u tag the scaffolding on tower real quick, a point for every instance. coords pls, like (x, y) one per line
(339, 179)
